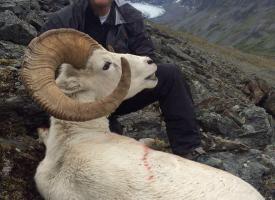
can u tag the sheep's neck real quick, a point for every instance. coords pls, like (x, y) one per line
(63, 132)
(96, 126)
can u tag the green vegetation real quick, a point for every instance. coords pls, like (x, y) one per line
(263, 46)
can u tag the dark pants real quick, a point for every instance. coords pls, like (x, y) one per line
(176, 105)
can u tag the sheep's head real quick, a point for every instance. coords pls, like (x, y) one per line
(102, 73)
(93, 73)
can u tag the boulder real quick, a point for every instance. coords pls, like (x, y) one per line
(35, 20)
(19, 115)
(250, 165)
(15, 30)
(257, 89)
(53, 5)
(18, 160)
(19, 7)
(269, 104)
(249, 124)
(10, 54)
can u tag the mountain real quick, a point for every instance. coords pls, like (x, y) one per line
(235, 109)
(248, 25)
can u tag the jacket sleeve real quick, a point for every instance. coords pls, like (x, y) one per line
(54, 22)
(63, 18)
(139, 42)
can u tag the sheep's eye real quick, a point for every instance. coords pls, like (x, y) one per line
(106, 66)
(150, 62)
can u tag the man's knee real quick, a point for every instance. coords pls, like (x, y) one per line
(167, 75)
(170, 76)
(168, 71)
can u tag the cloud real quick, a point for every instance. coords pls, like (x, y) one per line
(149, 10)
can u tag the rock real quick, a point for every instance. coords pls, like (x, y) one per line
(214, 143)
(250, 124)
(15, 30)
(143, 124)
(247, 165)
(9, 50)
(171, 52)
(201, 94)
(18, 7)
(269, 104)
(269, 159)
(257, 127)
(211, 161)
(10, 54)
(19, 115)
(18, 160)
(156, 144)
(35, 20)
(53, 5)
(270, 187)
(221, 125)
(8, 77)
(257, 89)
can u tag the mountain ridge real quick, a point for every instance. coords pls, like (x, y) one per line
(248, 25)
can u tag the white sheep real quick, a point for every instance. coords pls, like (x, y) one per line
(84, 161)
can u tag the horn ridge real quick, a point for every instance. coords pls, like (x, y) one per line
(42, 57)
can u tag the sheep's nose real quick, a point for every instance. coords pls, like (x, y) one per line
(150, 62)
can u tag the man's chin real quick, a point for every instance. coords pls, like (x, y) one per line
(101, 3)
(100, 6)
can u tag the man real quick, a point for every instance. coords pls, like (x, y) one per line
(116, 23)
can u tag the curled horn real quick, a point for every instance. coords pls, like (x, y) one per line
(53, 48)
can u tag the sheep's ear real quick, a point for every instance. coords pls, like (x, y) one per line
(69, 85)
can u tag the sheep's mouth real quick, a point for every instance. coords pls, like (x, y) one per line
(152, 77)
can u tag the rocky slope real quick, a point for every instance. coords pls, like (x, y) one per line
(245, 24)
(234, 110)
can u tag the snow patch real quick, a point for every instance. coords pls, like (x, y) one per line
(150, 11)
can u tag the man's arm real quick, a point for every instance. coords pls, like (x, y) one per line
(62, 19)
(140, 42)
(53, 23)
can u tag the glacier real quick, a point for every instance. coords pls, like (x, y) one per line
(149, 11)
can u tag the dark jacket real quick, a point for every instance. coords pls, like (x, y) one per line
(126, 34)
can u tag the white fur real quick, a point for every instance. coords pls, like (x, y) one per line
(84, 161)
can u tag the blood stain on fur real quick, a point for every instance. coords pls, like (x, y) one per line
(147, 164)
